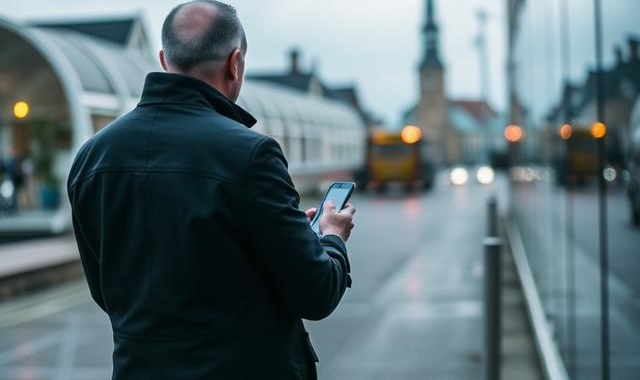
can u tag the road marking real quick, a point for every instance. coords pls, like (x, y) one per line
(46, 373)
(66, 354)
(43, 305)
(30, 347)
(477, 270)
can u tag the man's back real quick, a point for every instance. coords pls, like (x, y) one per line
(192, 241)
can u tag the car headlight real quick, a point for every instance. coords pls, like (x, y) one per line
(459, 176)
(485, 175)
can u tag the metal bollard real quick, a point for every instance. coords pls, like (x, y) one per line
(492, 214)
(492, 294)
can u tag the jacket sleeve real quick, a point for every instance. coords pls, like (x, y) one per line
(89, 258)
(90, 265)
(309, 275)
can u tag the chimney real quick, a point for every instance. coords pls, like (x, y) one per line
(619, 56)
(294, 61)
(634, 53)
(315, 66)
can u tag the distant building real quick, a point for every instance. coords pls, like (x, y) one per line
(458, 130)
(621, 89)
(128, 31)
(309, 82)
(476, 128)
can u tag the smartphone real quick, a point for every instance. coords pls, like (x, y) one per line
(339, 194)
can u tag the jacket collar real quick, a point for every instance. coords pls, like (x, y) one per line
(176, 88)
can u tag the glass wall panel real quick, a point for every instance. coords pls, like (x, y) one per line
(558, 179)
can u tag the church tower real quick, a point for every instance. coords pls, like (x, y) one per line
(432, 107)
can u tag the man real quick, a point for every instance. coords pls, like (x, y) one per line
(188, 223)
(12, 168)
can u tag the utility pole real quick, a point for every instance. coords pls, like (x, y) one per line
(602, 195)
(570, 329)
(483, 66)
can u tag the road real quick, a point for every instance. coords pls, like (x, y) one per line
(414, 310)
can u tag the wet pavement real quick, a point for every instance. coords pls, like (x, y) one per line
(414, 312)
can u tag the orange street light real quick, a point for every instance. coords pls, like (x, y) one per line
(598, 130)
(21, 109)
(513, 133)
(411, 134)
(566, 131)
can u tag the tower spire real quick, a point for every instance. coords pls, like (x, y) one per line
(430, 15)
(431, 37)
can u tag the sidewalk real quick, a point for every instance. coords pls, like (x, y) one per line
(426, 319)
(519, 355)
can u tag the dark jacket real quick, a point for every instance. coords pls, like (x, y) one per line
(192, 242)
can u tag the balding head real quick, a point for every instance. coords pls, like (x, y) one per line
(205, 39)
(201, 31)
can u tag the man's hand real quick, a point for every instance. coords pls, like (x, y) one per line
(311, 213)
(339, 223)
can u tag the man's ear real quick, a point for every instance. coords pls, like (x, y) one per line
(163, 61)
(235, 64)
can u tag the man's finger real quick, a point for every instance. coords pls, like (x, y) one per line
(349, 210)
(311, 213)
(351, 205)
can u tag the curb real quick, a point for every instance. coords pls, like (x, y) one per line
(552, 363)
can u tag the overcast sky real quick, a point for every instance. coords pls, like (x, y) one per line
(375, 44)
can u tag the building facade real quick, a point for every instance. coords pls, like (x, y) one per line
(460, 131)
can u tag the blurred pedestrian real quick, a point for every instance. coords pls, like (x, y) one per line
(12, 170)
(189, 228)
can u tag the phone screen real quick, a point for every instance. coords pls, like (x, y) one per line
(338, 196)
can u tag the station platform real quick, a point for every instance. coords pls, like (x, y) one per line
(35, 222)
(31, 265)
(415, 310)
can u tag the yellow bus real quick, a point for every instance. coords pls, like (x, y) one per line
(578, 155)
(403, 156)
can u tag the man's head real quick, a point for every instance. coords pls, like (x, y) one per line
(205, 39)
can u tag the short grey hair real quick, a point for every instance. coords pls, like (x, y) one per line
(215, 43)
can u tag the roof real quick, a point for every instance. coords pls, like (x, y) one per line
(301, 82)
(624, 72)
(309, 82)
(102, 67)
(115, 29)
(478, 109)
(463, 115)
